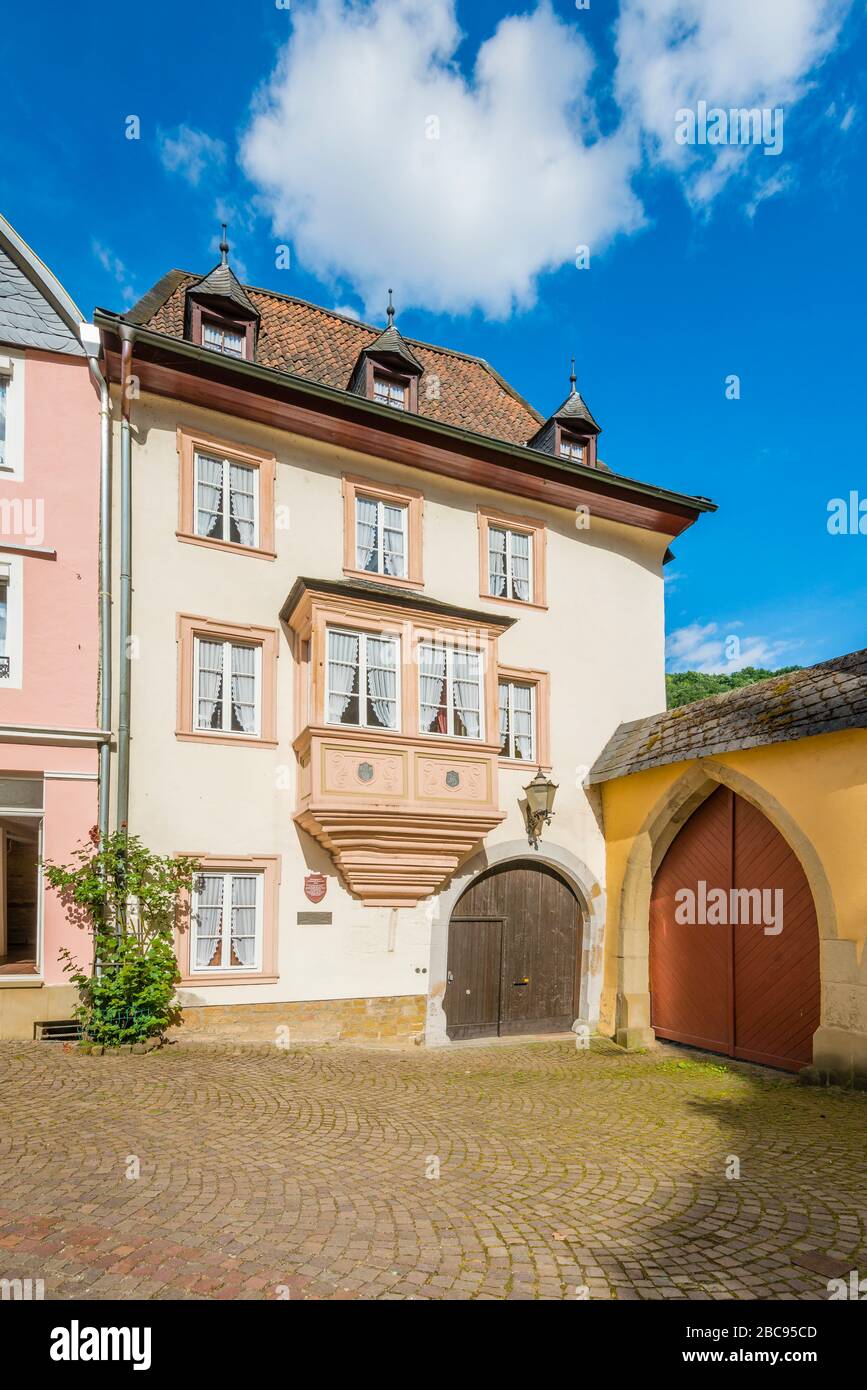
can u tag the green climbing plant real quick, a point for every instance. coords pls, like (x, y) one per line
(129, 901)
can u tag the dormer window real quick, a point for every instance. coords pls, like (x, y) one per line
(217, 337)
(572, 448)
(390, 390)
(220, 315)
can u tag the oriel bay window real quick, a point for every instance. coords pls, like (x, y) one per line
(363, 679)
(451, 698)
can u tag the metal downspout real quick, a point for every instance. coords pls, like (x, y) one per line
(123, 722)
(90, 339)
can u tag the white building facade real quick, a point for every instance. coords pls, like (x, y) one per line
(373, 593)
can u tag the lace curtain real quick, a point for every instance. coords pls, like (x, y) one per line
(497, 561)
(522, 715)
(242, 504)
(393, 541)
(209, 502)
(244, 689)
(210, 694)
(365, 533)
(520, 567)
(244, 918)
(467, 691)
(503, 695)
(432, 691)
(342, 673)
(209, 918)
(382, 679)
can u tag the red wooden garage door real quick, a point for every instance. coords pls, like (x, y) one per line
(733, 986)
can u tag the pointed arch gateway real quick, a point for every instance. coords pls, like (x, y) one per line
(745, 988)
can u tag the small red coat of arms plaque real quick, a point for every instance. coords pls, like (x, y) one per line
(315, 887)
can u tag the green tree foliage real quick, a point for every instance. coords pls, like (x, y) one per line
(129, 901)
(682, 687)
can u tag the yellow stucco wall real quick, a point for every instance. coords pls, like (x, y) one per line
(815, 792)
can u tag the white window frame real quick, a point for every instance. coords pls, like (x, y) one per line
(227, 644)
(212, 326)
(227, 876)
(381, 505)
(227, 465)
(570, 447)
(12, 375)
(392, 384)
(12, 578)
(450, 649)
(363, 634)
(33, 813)
(510, 532)
(525, 685)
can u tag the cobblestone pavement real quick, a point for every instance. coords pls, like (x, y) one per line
(528, 1170)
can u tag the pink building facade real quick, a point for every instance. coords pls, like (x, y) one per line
(49, 629)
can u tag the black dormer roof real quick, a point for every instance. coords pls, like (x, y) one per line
(573, 416)
(222, 284)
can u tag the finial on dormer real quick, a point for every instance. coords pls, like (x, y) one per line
(572, 379)
(390, 311)
(224, 248)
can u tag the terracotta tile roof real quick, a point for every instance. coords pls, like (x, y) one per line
(817, 700)
(298, 337)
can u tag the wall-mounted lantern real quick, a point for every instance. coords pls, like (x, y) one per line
(540, 795)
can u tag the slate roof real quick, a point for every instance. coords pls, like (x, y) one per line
(223, 283)
(391, 342)
(818, 700)
(306, 340)
(35, 310)
(575, 408)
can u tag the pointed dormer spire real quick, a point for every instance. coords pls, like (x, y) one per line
(572, 379)
(224, 248)
(390, 311)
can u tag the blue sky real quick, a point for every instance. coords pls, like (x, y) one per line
(310, 127)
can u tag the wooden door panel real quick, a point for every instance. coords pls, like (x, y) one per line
(777, 988)
(690, 964)
(538, 941)
(472, 996)
(539, 946)
(736, 989)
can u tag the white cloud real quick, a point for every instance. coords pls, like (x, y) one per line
(728, 53)
(779, 182)
(704, 647)
(114, 267)
(347, 311)
(848, 117)
(339, 146)
(190, 153)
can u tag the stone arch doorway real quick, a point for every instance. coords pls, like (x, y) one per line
(650, 845)
(734, 941)
(514, 953)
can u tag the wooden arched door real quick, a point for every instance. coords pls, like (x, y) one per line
(514, 954)
(746, 988)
